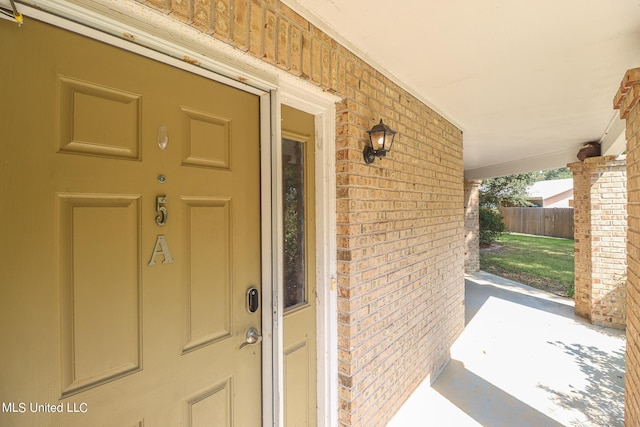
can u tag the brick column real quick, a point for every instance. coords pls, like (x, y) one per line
(472, 225)
(600, 229)
(627, 101)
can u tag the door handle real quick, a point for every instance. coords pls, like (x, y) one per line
(253, 337)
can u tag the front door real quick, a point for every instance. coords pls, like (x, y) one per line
(299, 290)
(129, 239)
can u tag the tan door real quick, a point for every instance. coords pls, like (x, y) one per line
(129, 237)
(299, 291)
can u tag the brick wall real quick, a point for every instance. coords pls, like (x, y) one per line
(400, 220)
(600, 231)
(627, 101)
(582, 239)
(472, 225)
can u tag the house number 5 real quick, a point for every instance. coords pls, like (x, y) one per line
(161, 219)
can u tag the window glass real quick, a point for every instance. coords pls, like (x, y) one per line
(294, 223)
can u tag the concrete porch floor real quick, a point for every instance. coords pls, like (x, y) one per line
(524, 360)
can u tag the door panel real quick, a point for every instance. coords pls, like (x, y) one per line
(208, 303)
(200, 130)
(125, 319)
(97, 120)
(211, 407)
(299, 292)
(297, 385)
(100, 288)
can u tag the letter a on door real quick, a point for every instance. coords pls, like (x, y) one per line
(161, 248)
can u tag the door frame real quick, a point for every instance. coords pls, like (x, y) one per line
(126, 25)
(293, 94)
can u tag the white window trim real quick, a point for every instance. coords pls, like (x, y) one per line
(159, 37)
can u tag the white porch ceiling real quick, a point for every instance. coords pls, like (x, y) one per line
(528, 82)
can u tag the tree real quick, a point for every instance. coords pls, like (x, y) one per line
(506, 190)
(559, 173)
(491, 225)
(502, 191)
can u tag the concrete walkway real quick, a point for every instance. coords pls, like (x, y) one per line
(524, 360)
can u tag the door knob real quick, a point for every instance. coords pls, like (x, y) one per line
(253, 337)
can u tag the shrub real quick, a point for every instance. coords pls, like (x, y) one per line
(491, 225)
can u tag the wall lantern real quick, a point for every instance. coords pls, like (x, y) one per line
(380, 141)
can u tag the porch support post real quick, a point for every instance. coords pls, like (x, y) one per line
(472, 225)
(627, 100)
(600, 229)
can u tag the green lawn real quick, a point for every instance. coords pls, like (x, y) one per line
(538, 261)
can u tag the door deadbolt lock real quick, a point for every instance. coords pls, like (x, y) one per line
(253, 300)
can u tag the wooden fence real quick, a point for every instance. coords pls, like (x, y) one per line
(554, 222)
